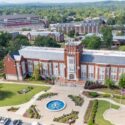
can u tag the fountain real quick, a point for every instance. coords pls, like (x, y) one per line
(55, 105)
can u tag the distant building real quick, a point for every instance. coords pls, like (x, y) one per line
(69, 64)
(84, 27)
(21, 20)
(32, 35)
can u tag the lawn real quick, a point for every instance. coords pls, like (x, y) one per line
(9, 94)
(102, 107)
(106, 90)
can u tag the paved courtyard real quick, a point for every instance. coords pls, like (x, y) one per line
(117, 117)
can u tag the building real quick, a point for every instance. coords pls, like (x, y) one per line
(84, 27)
(72, 63)
(21, 20)
(32, 35)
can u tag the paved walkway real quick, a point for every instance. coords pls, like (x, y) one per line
(81, 115)
(117, 117)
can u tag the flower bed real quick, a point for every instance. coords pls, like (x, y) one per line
(91, 94)
(67, 118)
(46, 95)
(94, 85)
(13, 109)
(32, 113)
(26, 90)
(78, 100)
(93, 113)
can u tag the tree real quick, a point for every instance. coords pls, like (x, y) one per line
(107, 36)
(46, 41)
(17, 42)
(71, 33)
(109, 83)
(122, 81)
(92, 42)
(36, 73)
(4, 38)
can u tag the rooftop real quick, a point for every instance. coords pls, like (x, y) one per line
(17, 16)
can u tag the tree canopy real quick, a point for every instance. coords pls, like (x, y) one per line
(45, 42)
(122, 81)
(107, 36)
(92, 42)
(16, 43)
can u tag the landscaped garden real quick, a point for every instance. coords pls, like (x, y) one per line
(95, 111)
(116, 97)
(9, 93)
(78, 100)
(32, 112)
(67, 118)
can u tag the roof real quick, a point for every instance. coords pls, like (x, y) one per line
(103, 57)
(15, 55)
(17, 16)
(42, 33)
(42, 53)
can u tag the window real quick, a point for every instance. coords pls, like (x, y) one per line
(83, 71)
(61, 69)
(30, 66)
(90, 72)
(23, 67)
(121, 71)
(45, 69)
(101, 73)
(114, 73)
(71, 64)
(55, 69)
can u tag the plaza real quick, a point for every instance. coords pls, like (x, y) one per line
(116, 117)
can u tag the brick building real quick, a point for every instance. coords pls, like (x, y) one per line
(21, 20)
(72, 63)
(32, 35)
(84, 27)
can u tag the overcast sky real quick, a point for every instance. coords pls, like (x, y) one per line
(46, 1)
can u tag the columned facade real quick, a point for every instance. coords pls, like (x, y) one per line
(73, 63)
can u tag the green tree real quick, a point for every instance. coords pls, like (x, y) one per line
(92, 42)
(107, 36)
(17, 42)
(46, 41)
(4, 38)
(122, 81)
(71, 33)
(109, 83)
(36, 73)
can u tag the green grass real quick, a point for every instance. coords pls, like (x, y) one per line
(102, 107)
(122, 48)
(111, 91)
(9, 95)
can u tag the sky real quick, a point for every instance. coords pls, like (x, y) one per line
(46, 1)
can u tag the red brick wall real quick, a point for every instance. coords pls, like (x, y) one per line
(9, 65)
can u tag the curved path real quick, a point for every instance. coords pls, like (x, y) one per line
(117, 117)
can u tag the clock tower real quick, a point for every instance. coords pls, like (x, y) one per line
(72, 56)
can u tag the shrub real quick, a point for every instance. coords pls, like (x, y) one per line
(93, 94)
(93, 113)
(88, 111)
(77, 100)
(66, 117)
(46, 95)
(93, 85)
(106, 95)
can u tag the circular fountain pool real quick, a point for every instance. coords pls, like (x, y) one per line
(55, 105)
